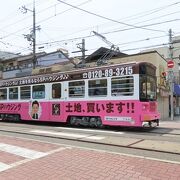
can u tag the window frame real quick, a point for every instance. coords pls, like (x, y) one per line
(29, 97)
(128, 87)
(147, 88)
(14, 95)
(40, 94)
(60, 94)
(3, 95)
(97, 91)
(76, 89)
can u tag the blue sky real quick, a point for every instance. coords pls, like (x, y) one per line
(147, 24)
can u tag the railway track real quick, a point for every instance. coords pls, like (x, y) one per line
(139, 131)
(129, 146)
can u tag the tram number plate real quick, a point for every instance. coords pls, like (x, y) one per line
(122, 119)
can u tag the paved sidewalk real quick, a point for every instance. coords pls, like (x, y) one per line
(168, 123)
(72, 163)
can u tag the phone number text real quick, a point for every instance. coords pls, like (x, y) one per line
(119, 71)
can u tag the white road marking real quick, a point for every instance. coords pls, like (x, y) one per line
(68, 134)
(28, 160)
(91, 130)
(4, 167)
(7, 147)
(24, 152)
(103, 151)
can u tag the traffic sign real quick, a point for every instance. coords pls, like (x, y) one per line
(170, 64)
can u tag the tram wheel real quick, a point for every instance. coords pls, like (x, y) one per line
(99, 122)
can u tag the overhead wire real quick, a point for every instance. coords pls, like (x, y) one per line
(60, 13)
(88, 36)
(150, 12)
(132, 42)
(146, 25)
(109, 19)
(42, 20)
(143, 14)
(64, 11)
(106, 32)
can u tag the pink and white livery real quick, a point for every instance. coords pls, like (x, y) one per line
(115, 95)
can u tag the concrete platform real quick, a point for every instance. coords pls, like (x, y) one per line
(159, 145)
(173, 124)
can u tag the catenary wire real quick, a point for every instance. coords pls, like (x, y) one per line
(109, 19)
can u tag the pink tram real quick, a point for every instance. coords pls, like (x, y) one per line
(114, 95)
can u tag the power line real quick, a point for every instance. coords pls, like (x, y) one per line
(15, 12)
(141, 40)
(134, 16)
(85, 36)
(137, 48)
(64, 11)
(103, 17)
(153, 24)
(77, 38)
(39, 21)
(136, 23)
(152, 11)
(52, 17)
(88, 36)
(145, 47)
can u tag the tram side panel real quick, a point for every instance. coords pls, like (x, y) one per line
(33, 110)
(113, 113)
(44, 111)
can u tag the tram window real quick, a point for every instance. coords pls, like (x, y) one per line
(38, 92)
(3, 94)
(25, 92)
(97, 87)
(147, 88)
(13, 93)
(56, 90)
(122, 86)
(151, 88)
(76, 89)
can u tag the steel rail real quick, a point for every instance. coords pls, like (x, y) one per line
(92, 142)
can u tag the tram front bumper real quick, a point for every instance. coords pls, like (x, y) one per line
(150, 119)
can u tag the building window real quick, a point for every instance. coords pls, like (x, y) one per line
(97, 87)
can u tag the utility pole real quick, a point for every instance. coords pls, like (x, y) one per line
(171, 76)
(32, 36)
(83, 52)
(81, 46)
